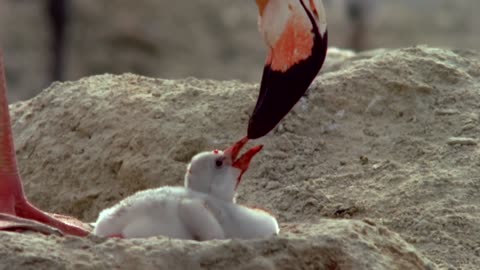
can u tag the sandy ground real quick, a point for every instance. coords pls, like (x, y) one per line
(390, 137)
(204, 38)
(330, 244)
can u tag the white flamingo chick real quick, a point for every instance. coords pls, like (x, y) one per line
(202, 210)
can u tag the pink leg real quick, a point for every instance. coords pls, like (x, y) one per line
(14, 206)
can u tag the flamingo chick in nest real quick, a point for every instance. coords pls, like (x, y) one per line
(203, 209)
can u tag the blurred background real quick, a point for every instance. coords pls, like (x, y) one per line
(47, 40)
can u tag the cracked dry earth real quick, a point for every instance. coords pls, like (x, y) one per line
(377, 167)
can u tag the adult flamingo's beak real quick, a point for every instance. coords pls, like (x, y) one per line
(296, 36)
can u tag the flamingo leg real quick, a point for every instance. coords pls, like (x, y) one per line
(16, 212)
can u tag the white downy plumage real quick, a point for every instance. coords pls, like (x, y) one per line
(202, 210)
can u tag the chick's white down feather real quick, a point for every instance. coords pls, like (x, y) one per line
(202, 210)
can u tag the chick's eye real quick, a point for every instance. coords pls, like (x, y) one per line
(218, 163)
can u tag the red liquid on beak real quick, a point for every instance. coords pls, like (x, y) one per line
(243, 162)
(235, 149)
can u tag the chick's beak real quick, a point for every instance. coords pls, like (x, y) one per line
(234, 150)
(242, 162)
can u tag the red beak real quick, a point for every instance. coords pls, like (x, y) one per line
(243, 162)
(234, 150)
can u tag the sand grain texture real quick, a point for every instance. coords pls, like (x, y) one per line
(371, 141)
(330, 244)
